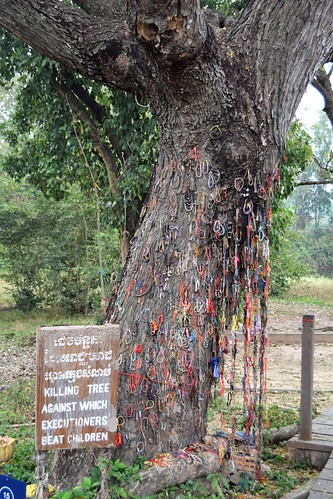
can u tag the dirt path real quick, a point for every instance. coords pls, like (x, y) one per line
(287, 317)
(284, 361)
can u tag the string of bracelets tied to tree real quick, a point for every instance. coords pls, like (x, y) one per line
(163, 379)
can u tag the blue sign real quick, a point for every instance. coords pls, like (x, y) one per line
(11, 488)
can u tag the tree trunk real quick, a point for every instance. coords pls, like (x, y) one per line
(178, 470)
(200, 253)
(275, 436)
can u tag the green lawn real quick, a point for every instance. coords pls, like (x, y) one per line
(312, 291)
(20, 326)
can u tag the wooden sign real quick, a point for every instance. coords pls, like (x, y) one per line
(77, 385)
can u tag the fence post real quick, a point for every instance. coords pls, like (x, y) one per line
(305, 427)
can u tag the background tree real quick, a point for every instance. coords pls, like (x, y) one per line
(287, 264)
(54, 110)
(312, 201)
(224, 95)
(49, 251)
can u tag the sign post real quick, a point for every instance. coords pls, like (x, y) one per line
(42, 479)
(77, 388)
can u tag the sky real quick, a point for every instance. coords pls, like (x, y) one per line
(310, 107)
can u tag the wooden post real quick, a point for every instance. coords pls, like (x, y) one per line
(305, 427)
(42, 480)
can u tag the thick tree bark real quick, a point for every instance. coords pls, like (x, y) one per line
(276, 436)
(224, 99)
(187, 466)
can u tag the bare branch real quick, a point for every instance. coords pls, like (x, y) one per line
(314, 182)
(102, 148)
(322, 83)
(327, 167)
(290, 42)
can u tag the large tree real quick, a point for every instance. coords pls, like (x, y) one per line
(224, 94)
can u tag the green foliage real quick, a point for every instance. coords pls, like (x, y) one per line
(212, 486)
(278, 417)
(17, 406)
(118, 475)
(319, 253)
(284, 481)
(248, 485)
(287, 266)
(228, 7)
(21, 465)
(88, 488)
(42, 134)
(297, 158)
(49, 249)
(218, 482)
(287, 263)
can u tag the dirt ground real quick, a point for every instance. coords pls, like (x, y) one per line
(284, 361)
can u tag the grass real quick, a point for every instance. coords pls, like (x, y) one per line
(17, 403)
(312, 291)
(17, 409)
(21, 326)
(6, 300)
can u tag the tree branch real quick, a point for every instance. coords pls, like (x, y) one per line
(103, 149)
(99, 48)
(98, 112)
(322, 83)
(285, 433)
(175, 29)
(102, 8)
(327, 167)
(285, 43)
(314, 182)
